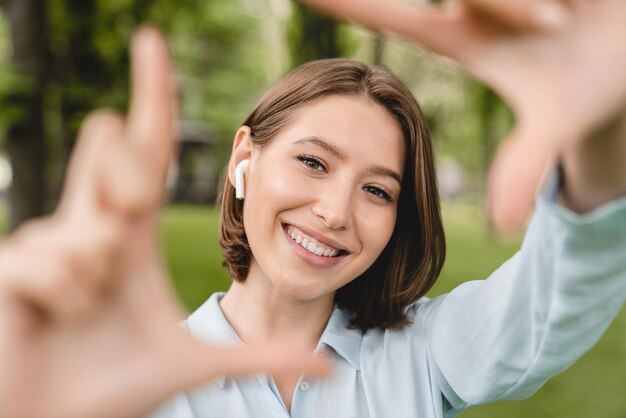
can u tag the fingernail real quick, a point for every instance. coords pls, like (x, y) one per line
(550, 15)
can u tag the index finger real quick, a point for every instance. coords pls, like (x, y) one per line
(150, 126)
(534, 15)
(431, 27)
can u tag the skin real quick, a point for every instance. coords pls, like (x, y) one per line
(568, 91)
(339, 197)
(85, 307)
(565, 80)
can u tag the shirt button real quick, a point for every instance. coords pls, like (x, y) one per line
(304, 386)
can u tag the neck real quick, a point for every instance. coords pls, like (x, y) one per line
(261, 313)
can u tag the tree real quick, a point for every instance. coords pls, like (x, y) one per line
(25, 132)
(71, 56)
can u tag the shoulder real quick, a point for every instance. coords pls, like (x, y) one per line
(423, 312)
(410, 337)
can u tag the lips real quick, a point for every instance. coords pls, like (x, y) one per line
(315, 246)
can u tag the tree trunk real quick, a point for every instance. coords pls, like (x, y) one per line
(80, 74)
(487, 104)
(25, 135)
(312, 36)
(378, 50)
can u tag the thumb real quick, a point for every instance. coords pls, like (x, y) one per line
(534, 15)
(280, 358)
(516, 175)
(187, 363)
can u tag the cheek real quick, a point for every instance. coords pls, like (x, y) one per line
(268, 193)
(379, 229)
(277, 188)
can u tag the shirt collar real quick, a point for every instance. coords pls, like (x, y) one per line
(208, 323)
(346, 342)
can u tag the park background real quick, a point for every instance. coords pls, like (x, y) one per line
(59, 59)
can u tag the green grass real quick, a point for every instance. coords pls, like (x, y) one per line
(592, 388)
(190, 242)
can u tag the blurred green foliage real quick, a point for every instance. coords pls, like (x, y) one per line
(218, 54)
(3, 220)
(311, 35)
(226, 53)
(11, 82)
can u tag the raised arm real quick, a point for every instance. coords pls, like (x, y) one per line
(561, 65)
(88, 322)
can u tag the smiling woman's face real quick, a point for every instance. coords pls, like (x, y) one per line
(321, 197)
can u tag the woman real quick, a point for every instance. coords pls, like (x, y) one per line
(329, 180)
(338, 237)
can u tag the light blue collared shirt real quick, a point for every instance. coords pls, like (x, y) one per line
(487, 340)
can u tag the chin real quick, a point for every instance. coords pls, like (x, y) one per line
(304, 289)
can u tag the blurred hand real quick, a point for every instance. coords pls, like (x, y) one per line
(560, 64)
(88, 323)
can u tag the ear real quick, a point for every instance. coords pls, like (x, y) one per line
(242, 150)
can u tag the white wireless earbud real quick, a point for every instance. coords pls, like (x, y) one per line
(239, 172)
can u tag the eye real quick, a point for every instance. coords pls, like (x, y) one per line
(378, 192)
(312, 163)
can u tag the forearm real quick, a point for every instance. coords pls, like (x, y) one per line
(539, 312)
(594, 171)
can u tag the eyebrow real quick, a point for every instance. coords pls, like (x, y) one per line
(377, 170)
(315, 140)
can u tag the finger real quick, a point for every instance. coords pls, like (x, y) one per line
(71, 275)
(94, 262)
(99, 131)
(534, 15)
(45, 289)
(177, 365)
(150, 120)
(515, 177)
(430, 27)
(105, 173)
(204, 362)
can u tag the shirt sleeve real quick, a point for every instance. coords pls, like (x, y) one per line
(503, 337)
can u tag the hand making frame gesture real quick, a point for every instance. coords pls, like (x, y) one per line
(88, 323)
(560, 64)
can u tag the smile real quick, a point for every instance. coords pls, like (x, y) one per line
(311, 244)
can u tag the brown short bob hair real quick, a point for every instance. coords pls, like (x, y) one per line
(412, 260)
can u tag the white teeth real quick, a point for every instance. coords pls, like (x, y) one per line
(311, 246)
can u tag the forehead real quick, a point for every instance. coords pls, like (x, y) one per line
(364, 130)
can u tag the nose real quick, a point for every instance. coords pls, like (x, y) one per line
(335, 206)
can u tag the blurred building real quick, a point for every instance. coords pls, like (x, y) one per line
(6, 176)
(194, 175)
